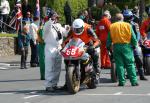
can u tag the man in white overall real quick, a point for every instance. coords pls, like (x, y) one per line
(52, 35)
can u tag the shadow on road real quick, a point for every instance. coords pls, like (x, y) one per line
(105, 80)
(26, 80)
(37, 92)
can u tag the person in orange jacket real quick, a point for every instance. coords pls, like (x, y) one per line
(82, 30)
(145, 27)
(102, 30)
(87, 35)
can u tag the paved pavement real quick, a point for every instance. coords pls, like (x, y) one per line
(9, 62)
(25, 86)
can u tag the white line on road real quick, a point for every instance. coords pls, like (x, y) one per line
(33, 92)
(4, 64)
(32, 96)
(6, 93)
(115, 94)
(118, 93)
(2, 68)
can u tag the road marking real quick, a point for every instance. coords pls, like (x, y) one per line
(118, 93)
(4, 64)
(2, 68)
(32, 96)
(33, 92)
(115, 94)
(6, 93)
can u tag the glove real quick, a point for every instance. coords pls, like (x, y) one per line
(90, 49)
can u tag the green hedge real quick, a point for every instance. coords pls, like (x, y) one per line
(97, 12)
(8, 35)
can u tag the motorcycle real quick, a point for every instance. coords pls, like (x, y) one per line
(79, 67)
(113, 68)
(146, 55)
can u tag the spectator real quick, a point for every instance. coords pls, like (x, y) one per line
(122, 51)
(28, 19)
(52, 35)
(67, 12)
(136, 16)
(81, 15)
(135, 11)
(128, 17)
(41, 52)
(102, 30)
(44, 9)
(84, 16)
(125, 8)
(18, 17)
(24, 42)
(26, 8)
(145, 26)
(4, 11)
(33, 29)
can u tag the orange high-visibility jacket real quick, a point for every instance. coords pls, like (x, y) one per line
(85, 37)
(103, 28)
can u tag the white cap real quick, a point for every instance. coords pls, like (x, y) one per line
(107, 13)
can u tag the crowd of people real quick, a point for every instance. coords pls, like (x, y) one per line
(4, 12)
(45, 37)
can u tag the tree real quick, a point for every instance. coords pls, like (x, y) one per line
(142, 9)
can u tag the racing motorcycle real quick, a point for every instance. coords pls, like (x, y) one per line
(79, 67)
(146, 55)
(113, 67)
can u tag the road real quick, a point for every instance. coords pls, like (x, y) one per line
(24, 86)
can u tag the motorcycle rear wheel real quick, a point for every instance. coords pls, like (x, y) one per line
(92, 82)
(113, 72)
(73, 83)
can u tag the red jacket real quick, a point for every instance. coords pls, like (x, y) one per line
(103, 28)
(144, 27)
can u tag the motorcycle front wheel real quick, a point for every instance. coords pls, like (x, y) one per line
(73, 83)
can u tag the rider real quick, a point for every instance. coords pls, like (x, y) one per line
(129, 17)
(86, 34)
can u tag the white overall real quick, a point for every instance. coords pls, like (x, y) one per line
(53, 59)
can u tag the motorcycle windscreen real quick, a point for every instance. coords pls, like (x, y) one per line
(73, 49)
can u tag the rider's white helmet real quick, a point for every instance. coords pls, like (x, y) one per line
(78, 26)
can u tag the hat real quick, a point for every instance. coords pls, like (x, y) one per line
(18, 5)
(107, 13)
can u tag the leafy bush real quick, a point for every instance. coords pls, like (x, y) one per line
(97, 12)
(8, 35)
(58, 5)
(76, 6)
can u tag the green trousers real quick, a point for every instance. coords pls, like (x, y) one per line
(42, 60)
(124, 59)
